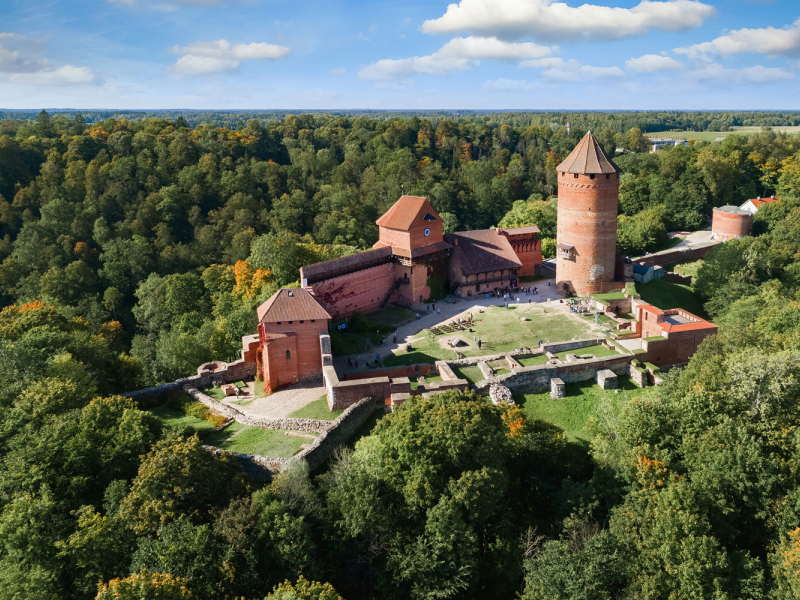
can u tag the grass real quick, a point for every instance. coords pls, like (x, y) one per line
(710, 136)
(176, 419)
(665, 295)
(343, 344)
(500, 331)
(532, 361)
(318, 409)
(665, 244)
(611, 296)
(575, 413)
(254, 440)
(471, 374)
(391, 315)
(428, 379)
(688, 269)
(215, 392)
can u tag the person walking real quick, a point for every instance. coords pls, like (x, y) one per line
(349, 362)
(479, 344)
(395, 338)
(438, 311)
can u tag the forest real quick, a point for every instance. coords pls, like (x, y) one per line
(134, 250)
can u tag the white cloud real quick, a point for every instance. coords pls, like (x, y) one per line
(653, 63)
(757, 74)
(458, 54)
(509, 85)
(214, 57)
(768, 40)
(557, 69)
(341, 71)
(548, 20)
(22, 57)
(66, 75)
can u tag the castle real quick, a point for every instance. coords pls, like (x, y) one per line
(414, 259)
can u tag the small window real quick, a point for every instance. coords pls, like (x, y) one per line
(288, 355)
(591, 176)
(313, 320)
(302, 321)
(291, 294)
(278, 323)
(290, 322)
(608, 176)
(575, 176)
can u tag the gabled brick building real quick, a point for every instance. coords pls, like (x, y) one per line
(289, 326)
(412, 250)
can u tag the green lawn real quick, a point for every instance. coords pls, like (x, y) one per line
(428, 379)
(214, 392)
(471, 374)
(343, 344)
(664, 244)
(532, 361)
(500, 330)
(177, 419)
(664, 295)
(254, 440)
(574, 413)
(391, 315)
(688, 269)
(318, 409)
(611, 296)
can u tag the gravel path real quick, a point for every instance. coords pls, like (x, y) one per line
(284, 402)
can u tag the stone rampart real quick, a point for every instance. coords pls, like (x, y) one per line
(557, 347)
(226, 373)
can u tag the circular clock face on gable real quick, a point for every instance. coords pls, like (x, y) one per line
(427, 231)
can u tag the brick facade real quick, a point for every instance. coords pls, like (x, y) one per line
(668, 343)
(587, 221)
(730, 222)
(301, 340)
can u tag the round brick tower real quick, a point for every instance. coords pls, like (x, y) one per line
(588, 194)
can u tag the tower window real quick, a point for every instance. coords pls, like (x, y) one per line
(591, 176)
(288, 355)
(575, 176)
(608, 176)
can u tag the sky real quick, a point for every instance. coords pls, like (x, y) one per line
(403, 54)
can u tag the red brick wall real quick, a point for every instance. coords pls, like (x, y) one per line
(678, 348)
(528, 250)
(417, 232)
(277, 370)
(305, 356)
(350, 392)
(362, 290)
(728, 225)
(419, 286)
(394, 237)
(587, 220)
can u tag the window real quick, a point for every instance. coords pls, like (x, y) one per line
(313, 320)
(575, 176)
(288, 355)
(608, 176)
(302, 321)
(291, 294)
(290, 322)
(278, 323)
(591, 176)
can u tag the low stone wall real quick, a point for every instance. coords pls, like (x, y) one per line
(234, 372)
(557, 347)
(638, 375)
(671, 256)
(417, 370)
(288, 424)
(337, 433)
(537, 378)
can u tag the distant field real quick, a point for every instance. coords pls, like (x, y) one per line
(710, 136)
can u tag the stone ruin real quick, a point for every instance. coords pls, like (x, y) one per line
(557, 388)
(500, 393)
(607, 379)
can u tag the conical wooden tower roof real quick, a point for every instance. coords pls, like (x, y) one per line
(588, 158)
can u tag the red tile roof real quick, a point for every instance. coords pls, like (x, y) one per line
(588, 158)
(405, 211)
(346, 264)
(482, 251)
(759, 201)
(671, 327)
(291, 304)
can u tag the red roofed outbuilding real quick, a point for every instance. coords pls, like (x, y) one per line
(670, 337)
(289, 326)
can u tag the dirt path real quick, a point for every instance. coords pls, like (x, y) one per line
(284, 402)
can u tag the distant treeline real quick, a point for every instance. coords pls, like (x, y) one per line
(619, 122)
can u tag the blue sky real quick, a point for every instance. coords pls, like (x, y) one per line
(478, 54)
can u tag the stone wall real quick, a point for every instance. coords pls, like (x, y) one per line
(638, 376)
(671, 256)
(226, 373)
(537, 378)
(289, 424)
(557, 347)
(409, 371)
